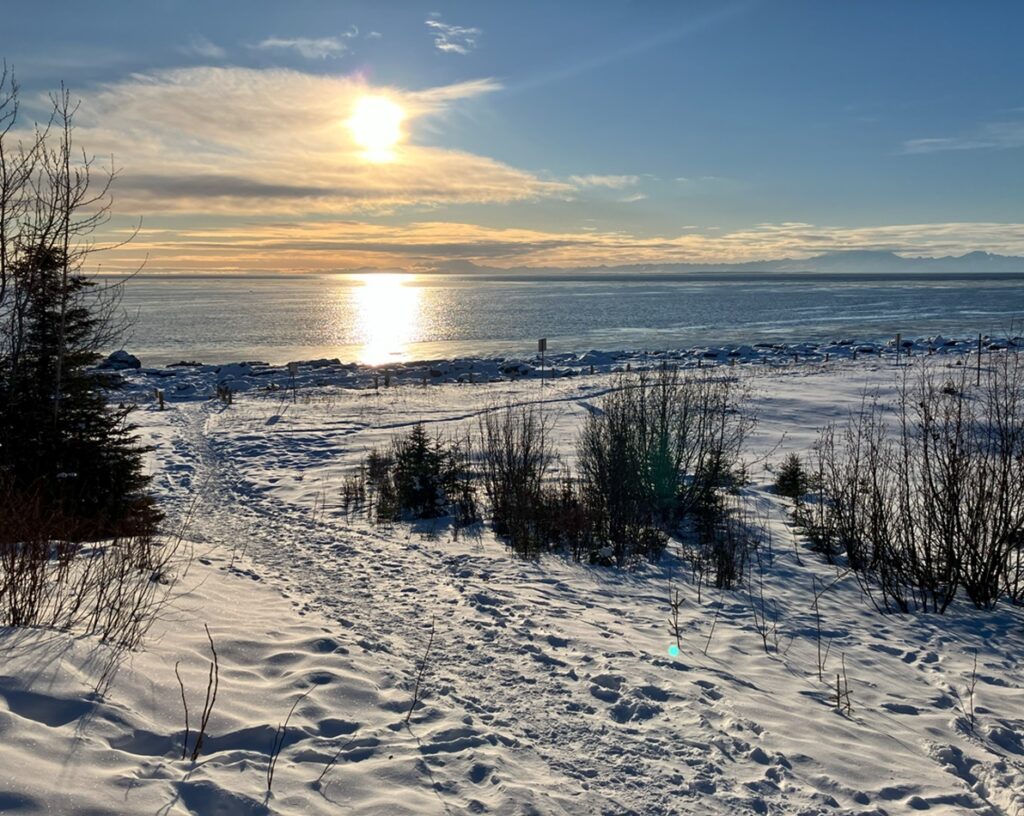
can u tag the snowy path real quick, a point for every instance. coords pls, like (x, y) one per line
(501, 666)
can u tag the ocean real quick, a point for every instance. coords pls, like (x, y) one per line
(379, 318)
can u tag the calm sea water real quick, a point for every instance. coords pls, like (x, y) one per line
(379, 318)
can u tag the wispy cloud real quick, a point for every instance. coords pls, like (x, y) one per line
(615, 182)
(256, 142)
(633, 198)
(438, 98)
(452, 39)
(993, 136)
(199, 46)
(312, 47)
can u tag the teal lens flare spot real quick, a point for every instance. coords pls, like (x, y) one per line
(673, 651)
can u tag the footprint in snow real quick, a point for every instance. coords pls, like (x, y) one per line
(901, 708)
(632, 710)
(606, 695)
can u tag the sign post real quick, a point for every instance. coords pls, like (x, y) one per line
(542, 347)
(979, 361)
(293, 370)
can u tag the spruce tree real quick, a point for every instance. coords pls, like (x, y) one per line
(61, 442)
(420, 474)
(792, 480)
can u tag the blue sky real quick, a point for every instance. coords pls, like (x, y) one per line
(569, 134)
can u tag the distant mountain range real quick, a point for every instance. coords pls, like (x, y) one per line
(849, 262)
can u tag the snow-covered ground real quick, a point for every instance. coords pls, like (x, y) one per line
(549, 688)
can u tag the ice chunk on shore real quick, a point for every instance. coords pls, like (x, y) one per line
(121, 360)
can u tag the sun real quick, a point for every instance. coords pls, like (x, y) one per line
(376, 126)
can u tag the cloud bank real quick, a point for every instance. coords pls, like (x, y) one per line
(250, 142)
(345, 245)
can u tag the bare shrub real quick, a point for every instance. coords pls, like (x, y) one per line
(852, 480)
(354, 492)
(764, 612)
(533, 509)
(571, 523)
(1015, 570)
(724, 537)
(662, 447)
(991, 520)
(934, 502)
(515, 460)
(108, 589)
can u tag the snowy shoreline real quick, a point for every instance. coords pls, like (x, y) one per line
(193, 380)
(552, 688)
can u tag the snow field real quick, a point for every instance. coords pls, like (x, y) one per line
(549, 688)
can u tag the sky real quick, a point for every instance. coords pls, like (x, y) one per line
(538, 134)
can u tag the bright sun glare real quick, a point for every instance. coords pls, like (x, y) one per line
(389, 314)
(376, 126)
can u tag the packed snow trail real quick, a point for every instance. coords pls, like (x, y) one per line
(487, 666)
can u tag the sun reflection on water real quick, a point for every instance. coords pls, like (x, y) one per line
(389, 315)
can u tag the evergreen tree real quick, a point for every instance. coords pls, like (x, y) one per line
(420, 474)
(792, 480)
(60, 440)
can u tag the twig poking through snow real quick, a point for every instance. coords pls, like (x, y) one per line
(971, 687)
(422, 671)
(184, 703)
(212, 685)
(844, 696)
(675, 601)
(714, 622)
(330, 763)
(967, 708)
(278, 743)
(211, 695)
